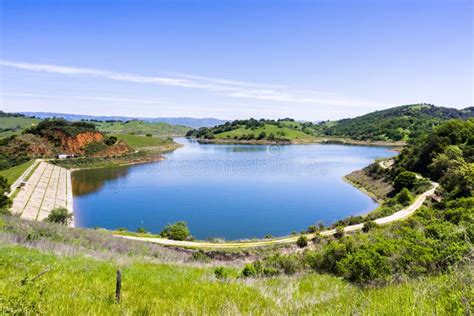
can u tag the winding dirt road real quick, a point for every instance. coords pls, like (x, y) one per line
(402, 214)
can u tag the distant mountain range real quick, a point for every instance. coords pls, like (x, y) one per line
(186, 121)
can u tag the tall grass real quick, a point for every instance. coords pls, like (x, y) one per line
(79, 285)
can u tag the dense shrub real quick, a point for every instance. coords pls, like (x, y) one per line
(59, 215)
(176, 231)
(405, 179)
(368, 226)
(404, 197)
(5, 201)
(302, 241)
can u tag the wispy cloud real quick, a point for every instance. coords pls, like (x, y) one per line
(230, 88)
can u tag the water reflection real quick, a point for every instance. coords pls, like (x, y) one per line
(87, 181)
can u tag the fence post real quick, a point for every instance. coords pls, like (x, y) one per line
(118, 286)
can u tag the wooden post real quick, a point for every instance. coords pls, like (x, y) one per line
(118, 286)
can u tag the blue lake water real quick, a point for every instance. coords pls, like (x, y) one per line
(228, 191)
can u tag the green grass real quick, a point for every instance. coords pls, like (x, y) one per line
(14, 125)
(142, 128)
(289, 133)
(79, 285)
(137, 141)
(14, 173)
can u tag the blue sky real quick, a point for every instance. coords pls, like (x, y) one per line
(311, 60)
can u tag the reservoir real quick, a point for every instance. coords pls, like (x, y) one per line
(227, 191)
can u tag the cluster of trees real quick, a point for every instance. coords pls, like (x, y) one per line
(445, 155)
(253, 124)
(46, 128)
(394, 124)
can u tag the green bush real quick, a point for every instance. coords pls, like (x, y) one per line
(5, 201)
(249, 271)
(224, 273)
(142, 230)
(365, 265)
(302, 241)
(339, 232)
(94, 148)
(59, 215)
(368, 226)
(404, 197)
(405, 179)
(176, 231)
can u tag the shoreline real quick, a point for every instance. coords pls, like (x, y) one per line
(323, 140)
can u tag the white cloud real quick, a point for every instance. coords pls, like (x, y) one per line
(226, 87)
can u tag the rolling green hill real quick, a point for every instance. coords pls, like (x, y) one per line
(284, 130)
(141, 128)
(14, 124)
(394, 124)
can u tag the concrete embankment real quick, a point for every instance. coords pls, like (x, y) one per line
(47, 188)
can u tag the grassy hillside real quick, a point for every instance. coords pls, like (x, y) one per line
(395, 124)
(14, 124)
(141, 128)
(15, 172)
(139, 141)
(398, 123)
(285, 130)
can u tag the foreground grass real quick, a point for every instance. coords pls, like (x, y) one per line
(32, 282)
(14, 173)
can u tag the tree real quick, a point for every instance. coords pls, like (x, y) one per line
(261, 136)
(141, 230)
(59, 215)
(339, 232)
(302, 241)
(149, 135)
(404, 197)
(405, 179)
(5, 201)
(368, 226)
(176, 231)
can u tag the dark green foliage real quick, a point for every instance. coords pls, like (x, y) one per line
(223, 273)
(368, 226)
(405, 179)
(59, 215)
(339, 232)
(5, 201)
(110, 140)
(142, 230)
(176, 231)
(394, 124)
(249, 270)
(444, 155)
(302, 241)
(149, 135)
(94, 148)
(48, 127)
(404, 197)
